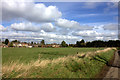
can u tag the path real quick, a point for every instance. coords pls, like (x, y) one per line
(114, 71)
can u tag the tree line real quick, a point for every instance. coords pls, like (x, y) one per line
(82, 43)
(97, 43)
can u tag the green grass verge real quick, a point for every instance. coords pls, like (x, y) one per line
(71, 67)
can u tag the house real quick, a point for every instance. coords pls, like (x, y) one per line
(17, 44)
(24, 44)
(54, 45)
(29, 46)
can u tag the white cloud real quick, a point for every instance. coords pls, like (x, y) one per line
(92, 33)
(48, 27)
(89, 33)
(64, 23)
(38, 36)
(25, 27)
(78, 0)
(30, 11)
(2, 28)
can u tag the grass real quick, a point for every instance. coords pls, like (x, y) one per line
(25, 55)
(67, 65)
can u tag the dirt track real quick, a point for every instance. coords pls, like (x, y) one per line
(114, 71)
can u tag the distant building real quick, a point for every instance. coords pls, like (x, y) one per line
(24, 44)
(54, 45)
(15, 44)
(29, 46)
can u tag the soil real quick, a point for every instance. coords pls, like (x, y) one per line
(115, 68)
(111, 71)
(105, 68)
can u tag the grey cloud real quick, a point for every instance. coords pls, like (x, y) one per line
(48, 27)
(111, 27)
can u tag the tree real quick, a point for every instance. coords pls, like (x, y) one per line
(78, 44)
(16, 41)
(6, 41)
(11, 44)
(82, 41)
(42, 42)
(31, 42)
(63, 44)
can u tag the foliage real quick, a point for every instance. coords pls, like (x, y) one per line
(63, 44)
(80, 43)
(100, 43)
(11, 44)
(16, 41)
(31, 42)
(6, 41)
(42, 42)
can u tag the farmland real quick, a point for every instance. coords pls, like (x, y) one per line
(54, 62)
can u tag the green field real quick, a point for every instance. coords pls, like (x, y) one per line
(28, 54)
(53, 62)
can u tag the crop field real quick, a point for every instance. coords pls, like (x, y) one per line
(54, 62)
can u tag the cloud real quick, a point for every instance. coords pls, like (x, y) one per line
(48, 27)
(110, 26)
(100, 38)
(24, 27)
(88, 33)
(38, 36)
(63, 31)
(30, 11)
(64, 23)
(92, 33)
(90, 5)
(87, 15)
(2, 28)
(111, 5)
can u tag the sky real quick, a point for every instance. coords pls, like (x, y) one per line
(58, 21)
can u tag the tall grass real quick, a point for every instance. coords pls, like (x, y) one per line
(81, 65)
